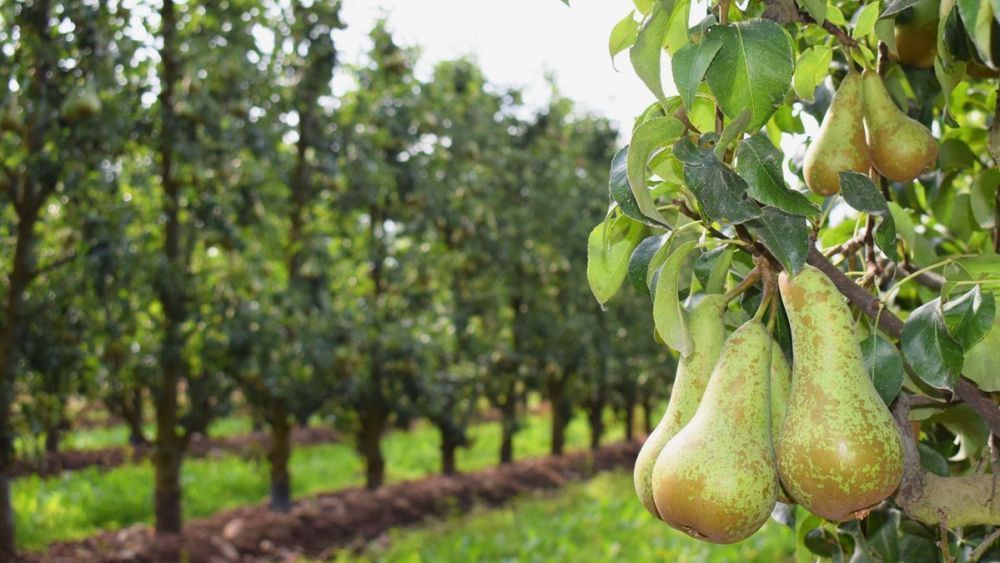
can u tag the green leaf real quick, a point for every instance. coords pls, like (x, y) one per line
(970, 317)
(648, 139)
(720, 268)
(893, 7)
(861, 193)
(668, 316)
(733, 130)
(759, 163)
(786, 236)
(644, 6)
(608, 251)
(885, 32)
(677, 30)
(648, 48)
(983, 198)
(638, 264)
(811, 69)
(752, 70)
(623, 35)
(864, 20)
(981, 361)
(688, 66)
(721, 192)
(621, 192)
(884, 366)
(935, 356)
(881, 534)
(977, 15)
(815, 8)
(931, 460)
(970, 428)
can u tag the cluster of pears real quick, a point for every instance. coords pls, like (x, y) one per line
(863, 129)
(743, 430)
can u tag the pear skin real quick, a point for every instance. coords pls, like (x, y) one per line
(716, 479)
(901, 148)
(781, 387)
(840, 144)
(916, 31)
(707, 334)
(839, 452)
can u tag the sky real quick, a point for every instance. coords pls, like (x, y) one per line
(515, 42)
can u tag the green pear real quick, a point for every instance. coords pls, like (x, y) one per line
(901, 148)
(716, 479)
(916, 31)
(839, 452)
(781, 387)
(840, 144)
(707, 334)
(81, 103)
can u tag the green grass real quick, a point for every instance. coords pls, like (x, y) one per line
(116, 435)
(599, 520)
(80, 503)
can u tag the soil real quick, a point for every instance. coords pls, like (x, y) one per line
(247, 445)
(319, 526)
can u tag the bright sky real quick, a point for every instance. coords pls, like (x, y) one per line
(516, 42)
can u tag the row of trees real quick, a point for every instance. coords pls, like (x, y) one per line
(189, 213)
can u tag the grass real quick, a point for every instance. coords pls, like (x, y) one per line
(116, 435)
(80, 503)
(599, 520)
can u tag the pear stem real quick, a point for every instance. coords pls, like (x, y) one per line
(744, 285)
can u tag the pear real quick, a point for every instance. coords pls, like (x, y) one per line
(707, 334)
(716, 479)
(10, 119)
(781, 387)
(839, 452)
(901, 148)
(916, 31)
(840, 144)
(81, 104)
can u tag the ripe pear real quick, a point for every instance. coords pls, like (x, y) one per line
(840, 144)
(781, 387)
(901, 148)
(708, 331)
(716, 479)
(839, 452)
(916, 31)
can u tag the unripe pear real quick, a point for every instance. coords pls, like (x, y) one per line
(840, 145)
(708, 331)
(901, 148)
(81, 104)
(839, 452)
(916, 34)
(716, 479)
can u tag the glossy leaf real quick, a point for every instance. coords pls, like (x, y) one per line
(647, 139)
(752, 70)
(668, 315)
(638, 265)
(721, 192)
(785, 236)
(930, 350)
(811, 68)
(623, 35)
(759, 163)
(608, 251)
(861, 193)
(884, 365)
(645, 54)
(970, 317)
(689, 65)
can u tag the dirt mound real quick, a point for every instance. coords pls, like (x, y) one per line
(318, 526)
(246, 445)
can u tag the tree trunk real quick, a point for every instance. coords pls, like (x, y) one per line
(280, 452)
(370, 444)
(167, 495)
(647, 414)
(508, 420)
(560, 415)
(448, 447)
(595, 418)
(52, 439)
(630, 421)
(134, 416)
(6, 461)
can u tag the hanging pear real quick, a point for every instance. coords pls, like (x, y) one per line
(781, 387)
(716, 479)
(901, 148)
(840, 144)
(839, 452)
(707, 334)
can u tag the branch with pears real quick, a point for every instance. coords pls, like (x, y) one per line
(788, 406)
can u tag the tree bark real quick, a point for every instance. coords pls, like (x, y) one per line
(629, 412)
(278, 456)
(52, 438)
(560, 413)
(448, 447)
(647, 415)
(169, 443)
(133, 412)
(370, 444)
(508, 422)
(595, 418)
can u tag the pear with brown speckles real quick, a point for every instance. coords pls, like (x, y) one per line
(901, 148)
(781, 387)
(707, 334)
(839, 452)
(716, 479)
(840, 145)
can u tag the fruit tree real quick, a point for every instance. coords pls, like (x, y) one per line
(815, 218)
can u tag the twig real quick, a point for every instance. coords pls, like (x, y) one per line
(943, 541)
(984, 545)
(841, 35)
(927, 279)
(744, 285)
